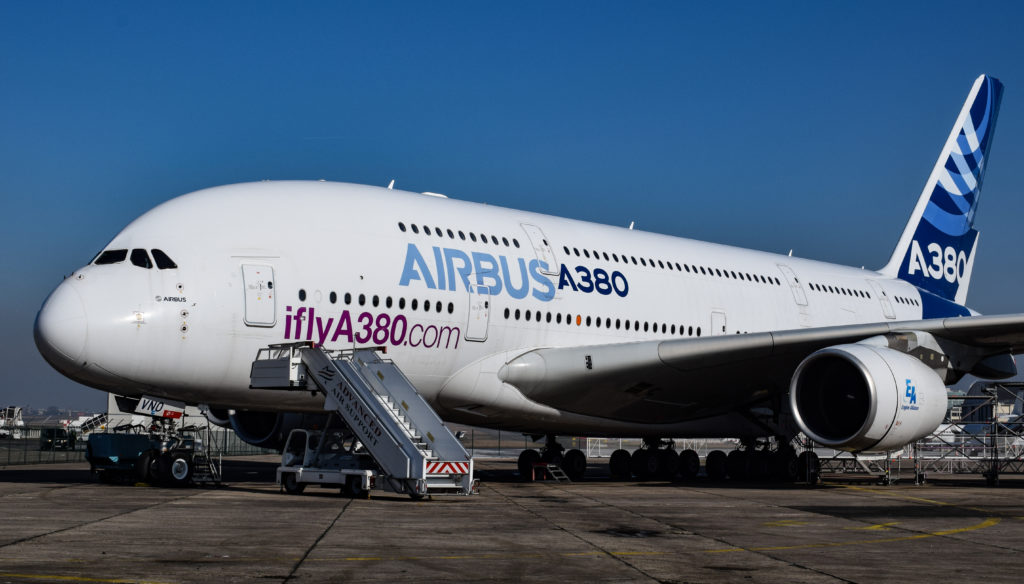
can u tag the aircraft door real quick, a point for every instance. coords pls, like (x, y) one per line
(542, 248)
(883, 298)
(479, 313)
(717, 323)
(794, 285)
(260, 305)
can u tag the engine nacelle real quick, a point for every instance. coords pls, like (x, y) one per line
(861, 397)
(271, 429)
(218, 417)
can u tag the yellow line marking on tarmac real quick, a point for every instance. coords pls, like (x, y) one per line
(877, 526)
(912, 498)
(986, 523)
(56, 577)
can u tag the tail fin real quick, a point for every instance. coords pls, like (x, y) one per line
(936, 250)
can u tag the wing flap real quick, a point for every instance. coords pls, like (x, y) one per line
(679, 379)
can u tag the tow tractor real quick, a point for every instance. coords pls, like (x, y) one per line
(164, 453)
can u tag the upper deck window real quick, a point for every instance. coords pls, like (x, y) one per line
(111, 256)
(141, 258)
(162, 261)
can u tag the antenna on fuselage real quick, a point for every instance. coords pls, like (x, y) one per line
(391, 184)
(631, 225)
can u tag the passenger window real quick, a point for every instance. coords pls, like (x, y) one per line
(162, 261)
(401, 226)
(111, 256)
(414, 228)
(141, 258)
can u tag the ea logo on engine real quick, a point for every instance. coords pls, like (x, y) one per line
(910, 396)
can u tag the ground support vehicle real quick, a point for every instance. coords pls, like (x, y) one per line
(330, 458)
(165, 456)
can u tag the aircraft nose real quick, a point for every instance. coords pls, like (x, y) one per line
(61, 328)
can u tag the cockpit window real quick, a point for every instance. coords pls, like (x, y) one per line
(111, 256)
(141, 258)
(162, 261)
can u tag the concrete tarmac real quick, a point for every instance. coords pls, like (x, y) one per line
(58, 525)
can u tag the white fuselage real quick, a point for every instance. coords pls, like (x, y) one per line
(331, 263)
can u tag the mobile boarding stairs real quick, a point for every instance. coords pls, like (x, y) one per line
(414, 450)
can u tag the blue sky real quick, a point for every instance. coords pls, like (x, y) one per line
(807, 126)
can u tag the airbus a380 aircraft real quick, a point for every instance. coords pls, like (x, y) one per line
(514, 320)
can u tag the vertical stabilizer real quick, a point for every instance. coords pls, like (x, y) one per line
(936, 250)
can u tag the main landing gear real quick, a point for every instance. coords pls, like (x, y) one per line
(656, 459)
(572, 462)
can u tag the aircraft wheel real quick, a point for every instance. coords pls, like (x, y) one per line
(808, 467)
(716, 465)
(176, 469)
(618, 464)
(738, 465)
(292, 486)
(689, 464)
(784, 466)
(146, 469)
(574, 463)
(760, 465)
(527, 459)
(645, 464)
(354, 487)
(668, 464)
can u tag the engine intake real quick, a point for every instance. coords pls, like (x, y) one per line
(862, 397)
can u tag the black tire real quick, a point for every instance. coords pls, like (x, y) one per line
(808, 467)
(645, 464)
(759, 467)
(618, 464)
(527, 459)
(668, 464)
(784, 466)
(176, 469)
(689, 464)
(738, 465)
(716, 465)
(291, 484)
(354, 487)
(574, 463)
(144, 468)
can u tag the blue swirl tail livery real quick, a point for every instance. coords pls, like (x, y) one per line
(936, 250)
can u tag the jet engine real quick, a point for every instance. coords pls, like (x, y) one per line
(218, 417)
(271, 429)
(862, 397)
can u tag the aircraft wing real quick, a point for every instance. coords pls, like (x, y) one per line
(678, 379)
